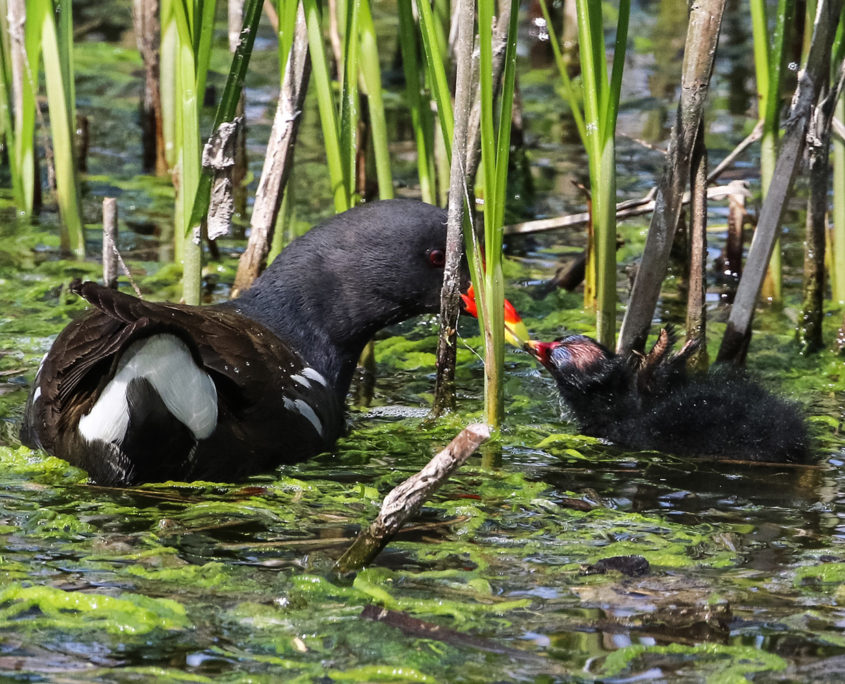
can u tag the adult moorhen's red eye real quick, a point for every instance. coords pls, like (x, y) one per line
(437, 258)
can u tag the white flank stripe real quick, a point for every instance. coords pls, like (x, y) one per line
(301, 381)
(165, 361)
(315, 375)
(109, 417)
(299, 406)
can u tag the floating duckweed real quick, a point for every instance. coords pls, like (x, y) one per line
(50, 523)
(719, 663)
(208, 576)
(563, 445)
(25, 464)
(11, 571)
(317, 586)
(819, 575)
(378, 582)
(128, 614)
(160, 675)
(381, 673)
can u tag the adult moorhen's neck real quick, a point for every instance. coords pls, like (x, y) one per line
(325, 310)
(329, 332)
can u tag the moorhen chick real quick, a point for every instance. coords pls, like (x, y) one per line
(136, 391)
(651, 403)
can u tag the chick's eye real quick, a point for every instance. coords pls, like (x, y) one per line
(436, 257)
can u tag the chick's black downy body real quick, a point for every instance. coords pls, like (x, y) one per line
(654, 404)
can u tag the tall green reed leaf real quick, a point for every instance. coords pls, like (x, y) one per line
(495, 153)
(769, 63)
(20, 80)
(570, 92)
(601, 106)
(194, 20)
(167, 80)
(371, 73)
(57, 50)
(325, 102)
(8, 118)
(837, 253)
(286, 11)
(421, 119)
(349, 96)
(435, 58)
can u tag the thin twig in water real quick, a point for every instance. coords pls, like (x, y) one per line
(838, 129)
(749, 140)
(123, 267)
(406, 499)
(625, 209)
(327, 541)
(428, 630)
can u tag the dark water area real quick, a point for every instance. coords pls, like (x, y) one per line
(232, 582)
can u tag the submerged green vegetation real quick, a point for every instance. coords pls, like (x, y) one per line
(224, 578)
(217, 581)
(229, 580)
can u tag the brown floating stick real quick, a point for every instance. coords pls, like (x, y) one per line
(404, 500)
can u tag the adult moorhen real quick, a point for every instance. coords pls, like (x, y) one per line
(651, 403)
(136, 391)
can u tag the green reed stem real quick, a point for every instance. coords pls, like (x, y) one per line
(57, 51)
(421, 119)
(7, 119)
(569, 90)
(435, 58)
(371, 73)
(495, 153)
(769, 65)
(286, 11)
(601, 106)
(837, 254)
(167, 80)
(350, 112)
(228, 105)
(325, 103)
(194, 26)
(25, 86)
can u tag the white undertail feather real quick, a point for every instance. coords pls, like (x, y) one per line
(165, 361)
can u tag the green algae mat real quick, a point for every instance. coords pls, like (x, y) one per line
(501, 577)
(730, 572)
